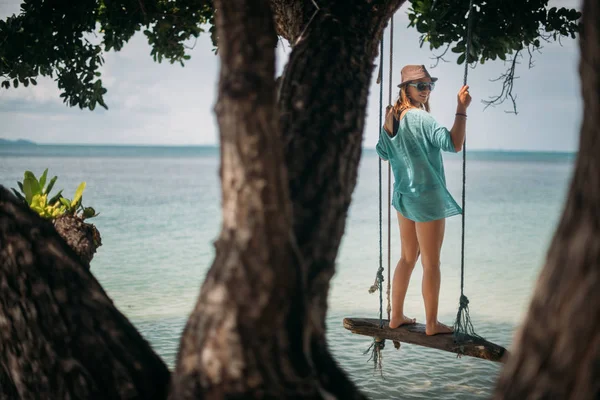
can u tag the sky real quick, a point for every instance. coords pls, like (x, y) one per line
(163, 104)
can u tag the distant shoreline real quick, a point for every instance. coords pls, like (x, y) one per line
(18, 142)
(24, 142)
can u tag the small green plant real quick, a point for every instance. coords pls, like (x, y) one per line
(35, 193)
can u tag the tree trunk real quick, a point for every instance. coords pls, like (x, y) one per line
(323, 104)
(243, 338)
(60, 335)
(266, 291)
(557, 352)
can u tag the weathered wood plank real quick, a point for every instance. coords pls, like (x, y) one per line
(415, 334)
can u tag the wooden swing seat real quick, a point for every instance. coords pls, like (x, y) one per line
(415, 334)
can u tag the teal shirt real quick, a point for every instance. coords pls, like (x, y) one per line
(415, 157)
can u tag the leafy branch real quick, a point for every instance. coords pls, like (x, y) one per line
(49, 38)
(499, 30)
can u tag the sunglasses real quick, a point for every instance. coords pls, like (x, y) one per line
(421, 86)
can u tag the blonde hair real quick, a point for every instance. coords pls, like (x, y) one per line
(404, 103)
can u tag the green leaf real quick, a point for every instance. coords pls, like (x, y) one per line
(50, 185)
(66, 203)
(461, 59)
(55, 198)
(31, 186)
(36, 201)
(89, 212)
(33, 81)
(101, 102)
(43, 179)
(21, 186)
(19, 196)
(29, 173)
(78, 194)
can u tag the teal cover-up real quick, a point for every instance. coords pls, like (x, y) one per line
(415, 157)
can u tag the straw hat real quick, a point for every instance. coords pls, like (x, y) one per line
(412, 73)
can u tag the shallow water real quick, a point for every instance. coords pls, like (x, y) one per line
(160, 213)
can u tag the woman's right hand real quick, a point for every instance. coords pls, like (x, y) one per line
(464, 98)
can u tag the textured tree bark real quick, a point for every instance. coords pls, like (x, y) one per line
(81, 236)
(322, 102)
(60, 335)
(291, 16)
(243, 338)
(557, 351)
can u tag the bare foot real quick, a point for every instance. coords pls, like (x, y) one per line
(396, 322)
(437, 329)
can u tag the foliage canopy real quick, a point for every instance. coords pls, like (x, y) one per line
(56, 39)
(500, 30)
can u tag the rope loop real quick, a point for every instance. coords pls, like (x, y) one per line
(464, 301)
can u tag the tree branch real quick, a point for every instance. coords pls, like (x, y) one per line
(245, 337)
(323, 102)
(508, 81)
(441, 56)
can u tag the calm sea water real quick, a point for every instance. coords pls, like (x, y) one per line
(160, 213)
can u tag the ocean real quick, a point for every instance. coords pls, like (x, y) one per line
(160, 214)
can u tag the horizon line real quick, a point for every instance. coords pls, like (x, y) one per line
(15, 142)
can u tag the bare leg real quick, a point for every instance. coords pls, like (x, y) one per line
(430, 236)
(403, 271)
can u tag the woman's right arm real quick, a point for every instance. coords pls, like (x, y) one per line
(460, 119)
(387, 131)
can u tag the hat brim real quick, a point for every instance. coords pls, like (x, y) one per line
(407, 82)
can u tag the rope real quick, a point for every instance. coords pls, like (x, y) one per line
(379, 280)
(375, 348)
(389, 305)
(463, 325)
(380, 272)
(379, 344)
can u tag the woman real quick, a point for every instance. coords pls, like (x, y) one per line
(420, 196)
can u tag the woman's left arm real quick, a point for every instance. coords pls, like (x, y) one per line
(459, 128)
